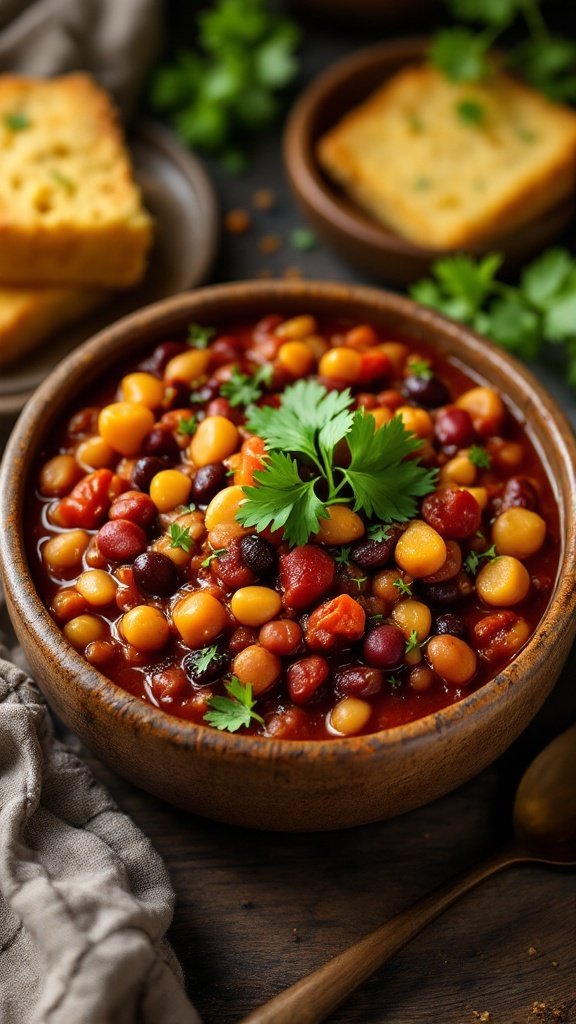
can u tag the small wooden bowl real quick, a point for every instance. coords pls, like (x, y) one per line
(254, 781)
(344, 225)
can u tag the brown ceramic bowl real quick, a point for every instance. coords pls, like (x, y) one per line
(377, 249)
(254, 781)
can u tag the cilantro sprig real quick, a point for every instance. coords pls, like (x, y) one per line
(200, 336)
(180, 537)
(301, 478)
(232, 712)
(213, 555)
(472, 562)
(412, 643)
(404, 588)
(479, 457)
(540, 308)
(245, 389)
(187, 425)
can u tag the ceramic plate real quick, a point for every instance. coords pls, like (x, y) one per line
(178, 194)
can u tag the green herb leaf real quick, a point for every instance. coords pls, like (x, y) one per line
(17, 121)
(420, 368)
(342, 557)
(472, 562)
(378, 532)
(183, 509)
(204, 657)
(303, 239)
(404, 588)
(200, 336)
(479, 457)
(460, 55)
(412, 644)
(243, 389)
(488, 12)
(394, 682)
(470, 112)
(281, 499)
(180, 537)
(234, 711)
(187, 426)
(210, 558)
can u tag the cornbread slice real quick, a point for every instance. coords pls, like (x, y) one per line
(30, 315)
(70, 212)
(448, 165)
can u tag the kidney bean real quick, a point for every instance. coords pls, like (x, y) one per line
(306, 573)
(225, 349)
(451, 566)
(450, 623)
(454, 427)
(287, 723)
(169, 685)
(161, 441)
(384, 647)
(155, 574)
(199, 671)
(519, 492)
(157, 361)
(145, 469)
(242, 637)
(374, 554)
(121, 540)
(429, 392)
(208, 481)
(230, 570)
(204, 394)
(305, 677)
(453, 513)
(499, 636)
(258, 555)
(281, 636)
(135, 506)
(87, 504)
(127, 595)
(222, 407)
(359, 681)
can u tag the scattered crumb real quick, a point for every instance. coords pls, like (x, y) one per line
(554, 963)
(237, 222)
(482, 1015)
(264, 199)
(292, 273)
(548, 1014)
(532, 951)
(269, 244)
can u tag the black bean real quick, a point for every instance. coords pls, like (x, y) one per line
(358, 681)
(157, 361)
(430, 392)
(145, 469)
(155, 574)
(208, 481)
(449, 623)
(206, 665)
(259, 555)
(161, 441)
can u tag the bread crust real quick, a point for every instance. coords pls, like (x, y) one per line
(28, 316)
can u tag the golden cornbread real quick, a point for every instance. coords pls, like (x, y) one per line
(448, 165)
(30, 315)
(70, 212)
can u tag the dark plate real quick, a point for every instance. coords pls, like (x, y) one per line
(178, 194)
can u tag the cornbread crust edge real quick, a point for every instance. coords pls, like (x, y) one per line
(71, 248)
(28, 316)
(547, 185)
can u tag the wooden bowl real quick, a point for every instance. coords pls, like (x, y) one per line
(255, 781)
(344, 225)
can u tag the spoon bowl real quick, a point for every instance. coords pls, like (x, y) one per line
(545, 804)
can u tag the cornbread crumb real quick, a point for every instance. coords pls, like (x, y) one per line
(30, 315)
(408, 157)
(70, 212)
(484, 1016)
(237, 222)
(532, 951)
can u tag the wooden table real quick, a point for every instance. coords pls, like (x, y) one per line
(256, 911)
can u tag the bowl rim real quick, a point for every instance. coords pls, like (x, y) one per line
(22, 593)
(309, 182)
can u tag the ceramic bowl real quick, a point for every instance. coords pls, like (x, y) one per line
(254, 781)
(377, 249)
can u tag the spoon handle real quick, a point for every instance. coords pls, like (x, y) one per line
(310, 1000)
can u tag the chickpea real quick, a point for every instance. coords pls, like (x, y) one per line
(317, 345)
(187, 366)
(95, 453)
(177, 555)
(397, 353)
(381, 415)
(281, 636)
(199, 618)
(253, 606)
(507, 455)
(452, 659)
(145, 628)
(99, 652)
(341, 364)
(296, 357)
(65, 550)
(296, 328)
(503, 582)
(518, 532)
(485, 407)
(383, 585)
(257, 666)
(224, 533)
(421, 679)
(413, 617)
(170, 488)
(362, 336)
(67, 604)
(97, 587)
(417, 421)
(124, 426)
(58, 476)
(350, 715)
(224, 506)
(459, 470)
(84, 630)
(420, 551)
(142, 388)
(215, 439)
(341, 526)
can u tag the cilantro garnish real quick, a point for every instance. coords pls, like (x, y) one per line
(342, 557)
(472, 562)
(187, 426)
(359, 581)
(378, 532)
(374, 620)
(245, 389)
(479, 457)
(301, 436)
(180, 537)
(540, 308)
(412, 644)
(394, 682)
(17, 121)
(234, 711)
(213, 554)
(404, 588)
(420, 368)
(200, 336)
(204, 658)
(470, 112)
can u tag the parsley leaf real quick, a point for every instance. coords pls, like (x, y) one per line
(495, 12)
(187, 426)
(342, 557)
(200, 336)
(460, 54)
(470, 112)
(204, 658)
(210, 558)
(404, 588)
(244, 389)
(378, 532)
(180, 537)
(472, 562)
(17, 121)
(234, 711)
(479, 457)
(280, 498)
(394, 682)
(420, 368)
(412, 644)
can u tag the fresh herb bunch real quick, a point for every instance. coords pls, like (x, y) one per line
(547, 61)
(229, 86)
(302, 478)
(541, 308)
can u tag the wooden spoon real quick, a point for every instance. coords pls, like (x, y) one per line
(545, 833)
